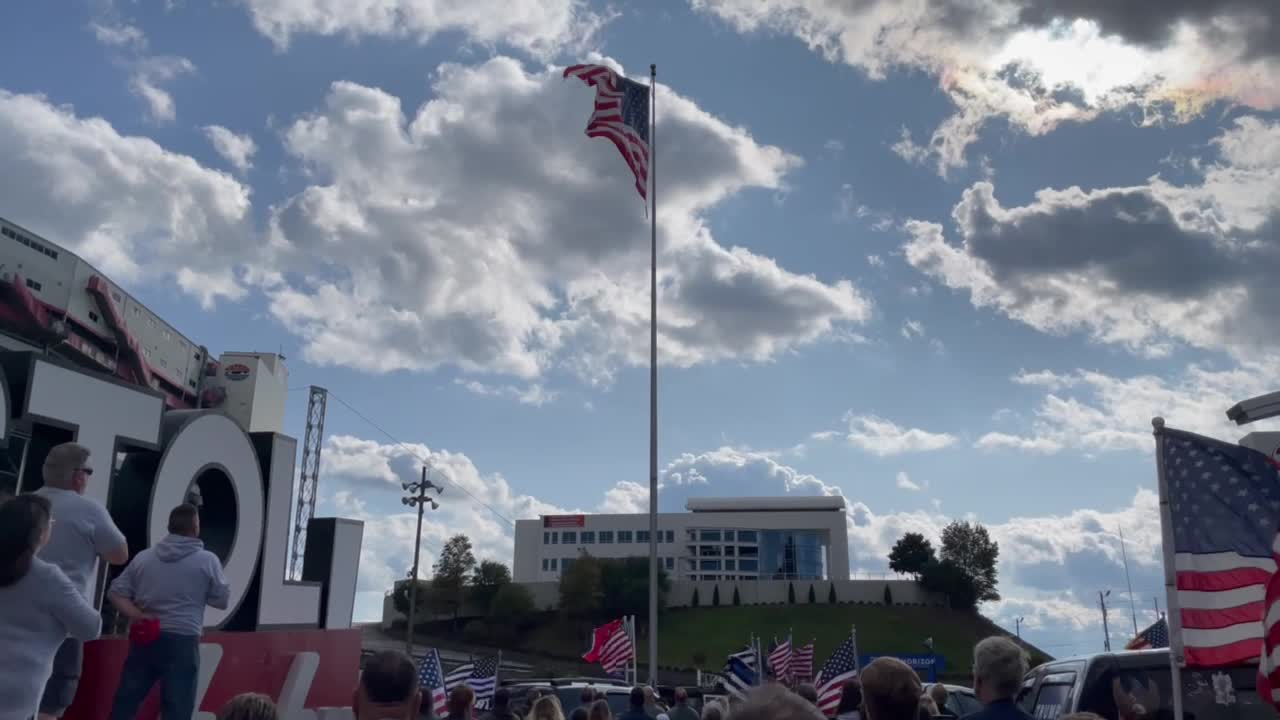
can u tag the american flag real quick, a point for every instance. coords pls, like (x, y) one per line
(431, 680)
(841, 667)
(802, 663)
(1224, 501)
(621, 115)
(1154, 637)
(780, 660)
(611, 646)
(740, 672)
(481, 675)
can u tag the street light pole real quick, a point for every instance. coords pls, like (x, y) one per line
(1106, 633)
(417, 497)
(1017, 627)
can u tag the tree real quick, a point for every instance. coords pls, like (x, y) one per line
(580, 588)
(813, 598)
(448, 583)
(791, 593)
(737, 600)
(624, 587)
(947, 578)
(831, 594)
(694, 602)
(513, 606)
(911, 553)
(715, 596)
(400, 598)
(971, 548)
(489, 577)
(888, 595)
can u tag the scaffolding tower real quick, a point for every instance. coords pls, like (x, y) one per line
(312, 440)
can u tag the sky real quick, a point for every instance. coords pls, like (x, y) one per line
(946, 258)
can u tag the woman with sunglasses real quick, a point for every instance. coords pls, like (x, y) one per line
(39, 607)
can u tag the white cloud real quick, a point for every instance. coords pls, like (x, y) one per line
(883, 438)
(912, 329)
(147, 73)
(393, 248)
(532, 394)
(539, 27)
(908, 150)
(115, 199)
(1036, 64)
(904, 482)
(121, 35)
(833, 146)
(1146, 267)
(875, 261)
(1093, 411)
(238, 150)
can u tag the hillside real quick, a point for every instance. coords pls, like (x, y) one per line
(703, 637)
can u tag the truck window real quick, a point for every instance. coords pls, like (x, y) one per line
(1053, 700)
(1025, 699)
(1143, 694)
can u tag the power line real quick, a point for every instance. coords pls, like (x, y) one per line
(424, 461)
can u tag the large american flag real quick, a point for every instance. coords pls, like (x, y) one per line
(802, 663)
(621, 115)
(840, 668)
(611, 646)
(481, 675)
(431, 681)
(1224, 501)
(780, 660)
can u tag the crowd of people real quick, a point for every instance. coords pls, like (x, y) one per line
(51, 541)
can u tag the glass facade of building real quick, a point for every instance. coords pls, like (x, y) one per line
(727, 554)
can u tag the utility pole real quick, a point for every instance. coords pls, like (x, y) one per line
(417, 497)
(1156, 602)
(1106, 633)
(1017, 627)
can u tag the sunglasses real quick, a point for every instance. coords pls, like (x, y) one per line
(86, 470)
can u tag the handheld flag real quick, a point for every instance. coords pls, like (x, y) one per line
(431, 681)
(1156, 636)
(840, 668)
(802, 664)
(780, 661)
(611, 646)
(740, 672)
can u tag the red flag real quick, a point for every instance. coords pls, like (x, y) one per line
(611, 647)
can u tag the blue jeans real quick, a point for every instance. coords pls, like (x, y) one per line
(172, 659)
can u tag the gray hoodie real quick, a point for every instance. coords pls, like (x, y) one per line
(173, 581)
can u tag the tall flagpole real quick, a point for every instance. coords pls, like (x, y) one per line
(1177, 656)
(653, 379)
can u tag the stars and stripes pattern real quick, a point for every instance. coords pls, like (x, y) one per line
(1154, 637)
(780, 660)
(621, 116)
(481, 675)
(841, 667)
(611, 646)
(740, 672)
(802, 664)
(431, 682)
(1224, 501)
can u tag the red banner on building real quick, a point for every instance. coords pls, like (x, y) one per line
(564, 521)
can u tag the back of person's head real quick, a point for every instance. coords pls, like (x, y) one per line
(546, 707)
(890, 690)
(649, 695)
(681, 695)
(850, 697)
(24, 528)
(501, 699)
(938, 692)
(713, 711)
(637, 698)
(61, 464)
(928, 705)
(388, 688)
(184, 520)
(998, 666)
(579, 713)
(587, 696)
(600, 710)
(775, 702)
(249, 706)
(461, 700)
(808, 692)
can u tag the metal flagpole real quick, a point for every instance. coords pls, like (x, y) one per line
(857, 661)
(653, 380)
(1176, 655)
(1133, 607)
(635, 656)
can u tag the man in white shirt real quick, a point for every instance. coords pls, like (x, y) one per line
(81, 531)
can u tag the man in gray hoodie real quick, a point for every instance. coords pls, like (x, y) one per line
(171, 582)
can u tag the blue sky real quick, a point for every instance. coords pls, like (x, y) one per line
(947, 259)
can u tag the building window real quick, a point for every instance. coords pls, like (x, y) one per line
(710, 536)
(555, 538)
(671, 536)
(565, 564)
(570, 537)
(670, 563)
(748, 536)
(606, 537)
(729, 550)
(624, 537)
(728, 536)
(553, 564)
(748, 552)
(546, 564)
(709, 550)
(709, 565)
(546, 538)
(748, 565)
(642, 536)
(33, 284)
(588, 537)
(730, 565)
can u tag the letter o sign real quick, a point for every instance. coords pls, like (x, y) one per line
(198, 441)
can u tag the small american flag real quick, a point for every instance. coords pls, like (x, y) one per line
(621, 115)
(611, 646)
(802, 664)
(1154, 637)
(1224, 501)
(431, 680)
(840, 668)
(780, 660)
(481, 675)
